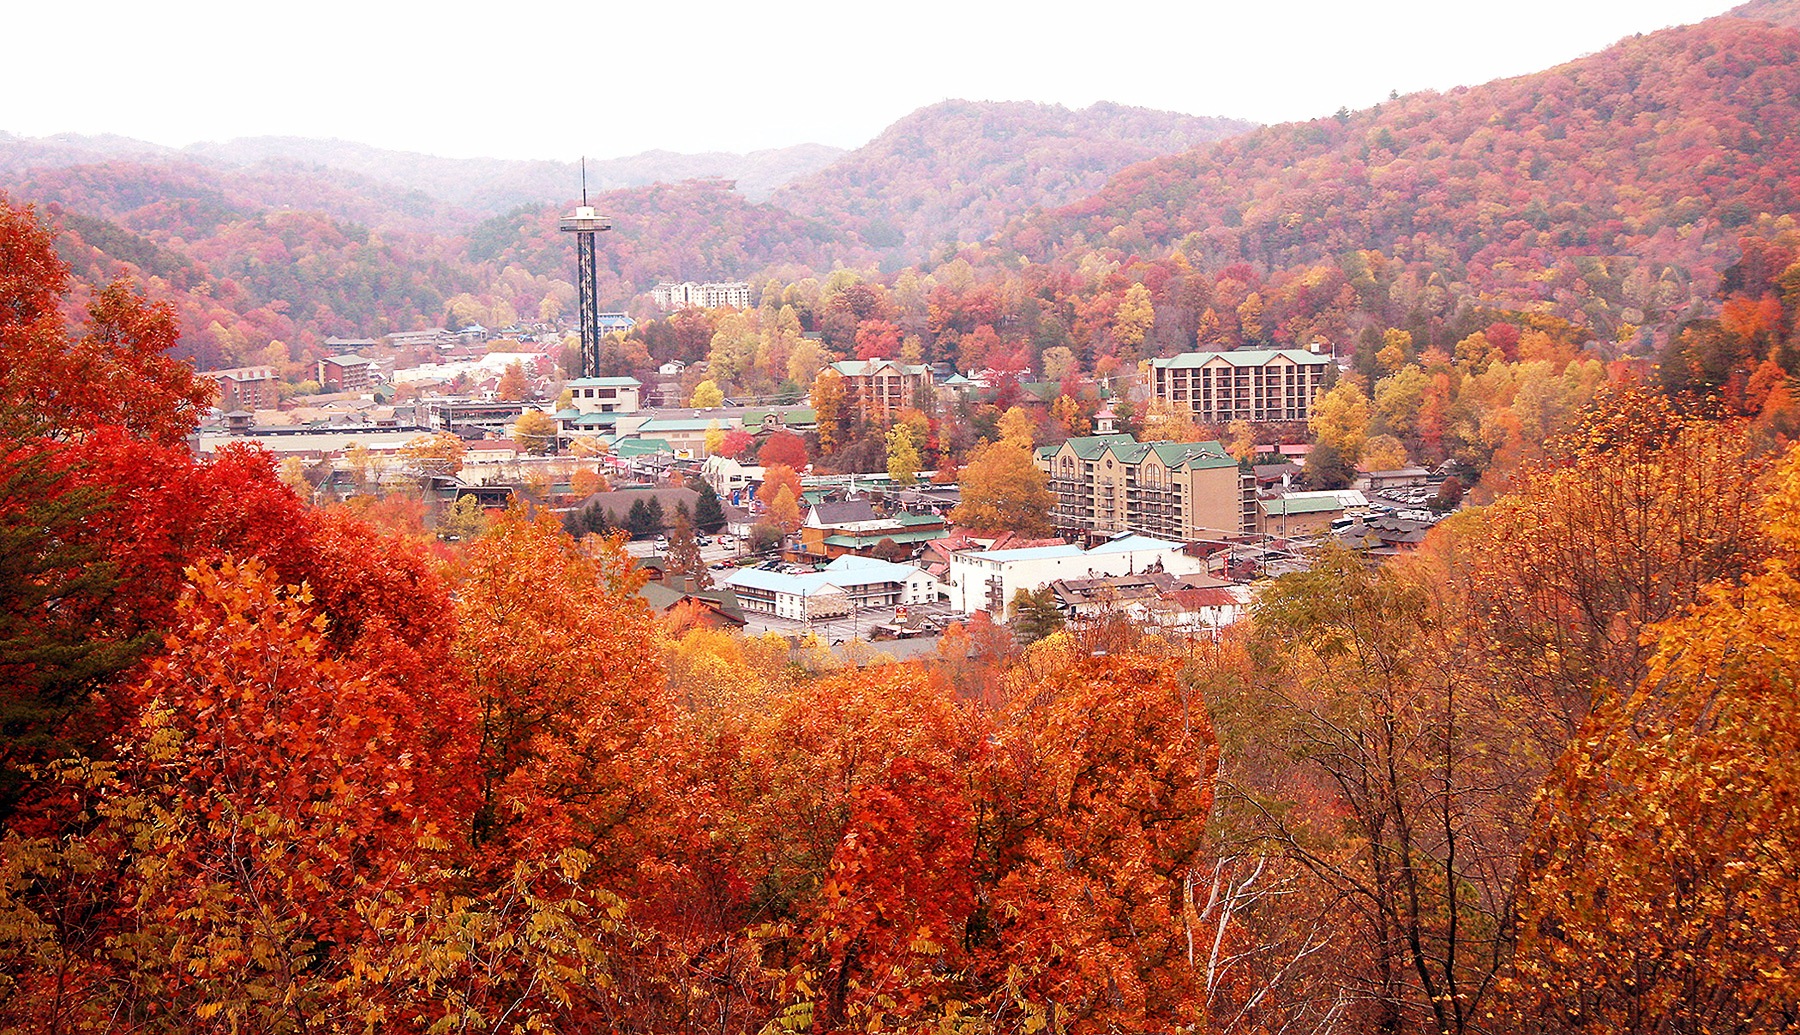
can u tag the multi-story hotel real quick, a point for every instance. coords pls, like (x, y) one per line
(704, 296)
(1249, 384)
(878, 389)
(244, 388)
(1186, 491)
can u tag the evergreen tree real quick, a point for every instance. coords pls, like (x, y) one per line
(638, 522)
(709, 515)
(1034, 614)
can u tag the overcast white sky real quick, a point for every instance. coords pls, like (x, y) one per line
(552, 79)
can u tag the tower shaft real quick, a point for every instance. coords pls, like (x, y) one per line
(587, 281)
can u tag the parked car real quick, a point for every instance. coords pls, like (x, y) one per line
(703, 540)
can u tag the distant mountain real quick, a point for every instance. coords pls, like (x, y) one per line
(695, 230)
(1654, 155)
(1778, 12)
(18, 154)
(959, 170)
(460, 190)
(491, 185)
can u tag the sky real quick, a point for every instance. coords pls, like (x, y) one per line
(550, 79)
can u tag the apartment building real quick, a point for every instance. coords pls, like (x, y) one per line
(1111, 484)
(244, 388)
(349, 373)
(1257, 385)
(690, 295)
(878, 389)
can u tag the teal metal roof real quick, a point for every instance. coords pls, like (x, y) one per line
(641, 447)
(857, 542)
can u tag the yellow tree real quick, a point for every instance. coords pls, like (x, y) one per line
(536, 431)
(1384, 453)
(829, 404)
(1134, 317)
(1003, 489)
(785, 510)
(1396, 350)
(1059, 362)
(1242, 441)
(1017, 428)
(1340, 419)
(1398, 398)
(441, 453)
(707, 395)
(1163, 423)
(902, 455)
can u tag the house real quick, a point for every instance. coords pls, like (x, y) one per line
(683, 606)
(846, 584)
(1386, 535)
(1256, 385)
(1403, 478)
(1108, 484)
(731, 480)
(833, 530)
(986, 580)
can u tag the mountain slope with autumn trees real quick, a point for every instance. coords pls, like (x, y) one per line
(1596, 190)
(959, 170)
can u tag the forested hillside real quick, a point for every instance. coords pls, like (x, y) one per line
(1594, 190)
(959, 170)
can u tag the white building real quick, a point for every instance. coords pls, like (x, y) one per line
(604, 394)
(985, 580)
(849, 581)
(705, 296)
(731, 480)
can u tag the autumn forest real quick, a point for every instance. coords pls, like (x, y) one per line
(271, 764)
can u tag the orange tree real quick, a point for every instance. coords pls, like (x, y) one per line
(1661, 873)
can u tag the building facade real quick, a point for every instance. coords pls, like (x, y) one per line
(689, 295)
(244, 388)
(846, 584)
(1111, 484)
(876, 390)
(986, 580)
(604, 394)
(1256, 385)
(347, 373)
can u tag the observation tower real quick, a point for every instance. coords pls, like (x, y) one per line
(584, 223)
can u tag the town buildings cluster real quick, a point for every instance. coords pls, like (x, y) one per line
(1158, 531)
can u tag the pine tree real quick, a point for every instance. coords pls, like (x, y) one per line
(709, 516)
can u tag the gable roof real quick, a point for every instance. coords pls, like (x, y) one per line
(826, 514)
(1089, 447)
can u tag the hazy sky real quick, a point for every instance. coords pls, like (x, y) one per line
(548, 79)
